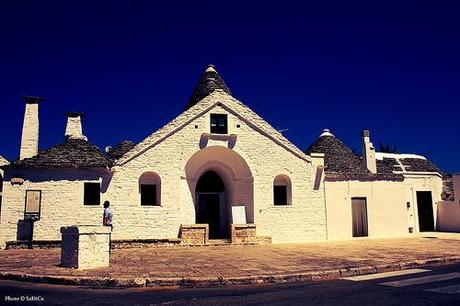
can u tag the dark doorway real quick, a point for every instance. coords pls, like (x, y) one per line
(425, 211)
(209, 213)
(359, 217)
(209, 209)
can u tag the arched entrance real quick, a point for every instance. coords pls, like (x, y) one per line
(218, 179)
(211, 208)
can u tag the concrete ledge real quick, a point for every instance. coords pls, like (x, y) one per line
(224, 281)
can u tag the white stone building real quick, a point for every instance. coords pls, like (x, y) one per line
(215, 156)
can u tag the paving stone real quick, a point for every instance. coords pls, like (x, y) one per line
(325, 259)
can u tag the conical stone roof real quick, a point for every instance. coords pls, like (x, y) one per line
(209, 82)
(73, 153)
(341, 163)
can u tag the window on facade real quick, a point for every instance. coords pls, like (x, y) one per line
(92, 194)
(219, 124)
(150, 189)
(282, 190)
(148, 194)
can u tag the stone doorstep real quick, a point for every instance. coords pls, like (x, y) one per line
(300, 276)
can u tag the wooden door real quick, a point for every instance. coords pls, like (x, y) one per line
(359, 217)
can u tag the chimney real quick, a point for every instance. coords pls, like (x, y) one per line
(369, 152)
(30, 128)
(73, 129)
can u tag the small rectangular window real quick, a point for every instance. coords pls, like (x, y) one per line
(149, 195)
(92, 194)
(280, 195)
(219, 124)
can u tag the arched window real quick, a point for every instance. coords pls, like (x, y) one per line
(282, 190)
(150, 189)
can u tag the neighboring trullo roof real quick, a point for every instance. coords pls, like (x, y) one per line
(120, 149)
(406, 163)
(341, 163)
(72, 153)
(209, 81)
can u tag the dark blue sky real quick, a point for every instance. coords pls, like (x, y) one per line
(393, 67)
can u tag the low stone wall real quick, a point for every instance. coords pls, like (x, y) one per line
(116, 244)
(243, 234)
(145, 243)
(194, 234)
(85, 247)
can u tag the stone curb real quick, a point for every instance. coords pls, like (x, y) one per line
(223, 281)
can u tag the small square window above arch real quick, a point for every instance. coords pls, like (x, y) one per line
(219, 124)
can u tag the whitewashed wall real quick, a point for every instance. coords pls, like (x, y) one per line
(448, 217)
(62, 202)
(422, 182)
(386, 208)
(302, 221)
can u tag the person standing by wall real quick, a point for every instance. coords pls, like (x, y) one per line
(107, 221)
(107, 216)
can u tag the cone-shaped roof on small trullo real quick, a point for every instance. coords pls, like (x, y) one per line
(209, 82)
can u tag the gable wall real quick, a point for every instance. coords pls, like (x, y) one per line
(303, 220)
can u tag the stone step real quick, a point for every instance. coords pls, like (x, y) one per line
(218, 241)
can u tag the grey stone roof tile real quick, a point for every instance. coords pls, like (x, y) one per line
(73, 153)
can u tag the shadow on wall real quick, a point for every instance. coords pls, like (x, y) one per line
(38, 175)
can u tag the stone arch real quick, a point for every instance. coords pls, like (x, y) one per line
(234, 172)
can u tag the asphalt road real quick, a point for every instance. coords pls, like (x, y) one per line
(437, 286)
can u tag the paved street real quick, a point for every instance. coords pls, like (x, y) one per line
(240, 261)
(434, 286)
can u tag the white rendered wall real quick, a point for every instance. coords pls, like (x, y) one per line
(448, 217)
(422, 182)
(62, 203)
(304, 220)
(456, 181)
(386, 208)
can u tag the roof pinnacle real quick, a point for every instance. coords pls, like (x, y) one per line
(326, 132)
(209, 82)
(210, 68)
